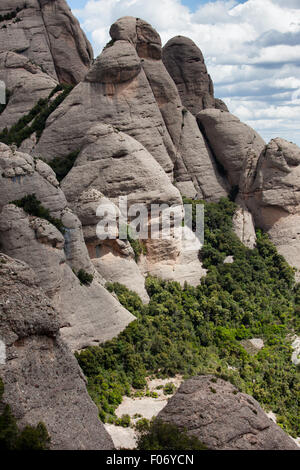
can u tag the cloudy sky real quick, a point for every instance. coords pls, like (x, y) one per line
(251, 48)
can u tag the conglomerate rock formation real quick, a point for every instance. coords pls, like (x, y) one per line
(223, 418)
(46, 32)
(185, 63)
(143, 123)
(42, 380)
(89, 315)
(26, 84)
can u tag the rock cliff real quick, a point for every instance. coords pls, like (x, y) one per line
(143, 123)
(185, 63)
(270, 189)
(46, 32)
(42, 380)
(26, 84)
(88, 315)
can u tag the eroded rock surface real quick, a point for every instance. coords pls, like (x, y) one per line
(116, 91)
(42, 379)
(88, 315)
(46, 32)
(243, 226)
(26, 83)
(230, 141)
(185, 63)
(223, 418)
(106, 165)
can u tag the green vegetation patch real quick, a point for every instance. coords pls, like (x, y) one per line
(33, 206)
(197, 330)
(35, 120)
(12, 438)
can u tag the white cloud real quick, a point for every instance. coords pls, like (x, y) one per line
(257, 79)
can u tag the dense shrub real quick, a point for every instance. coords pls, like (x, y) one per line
(33, 206)
(158, 435)
(169, 388)
(197, 330)
(35, 120)
(11, 438)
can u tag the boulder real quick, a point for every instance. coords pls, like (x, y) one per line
(113, 258)
(70, 49)
(223, 418)
(42, 379)
(195, 171)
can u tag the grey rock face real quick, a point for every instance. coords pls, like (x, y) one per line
(129, 88)
(21, 175)
(271, 192)
(116, 64)
(198, 162)
(185, 63)
(27, 84)
(129, 106)
(42, 379)
(88, 315)
(112, 258)
(140, 33)
(243, 226)
(219, 104)
(230, 140)
(106, 165)
(47, 33)
(223, 418)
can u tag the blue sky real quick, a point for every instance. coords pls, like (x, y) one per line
(251, 48)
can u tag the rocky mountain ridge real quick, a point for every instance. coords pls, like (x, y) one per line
(144, 123)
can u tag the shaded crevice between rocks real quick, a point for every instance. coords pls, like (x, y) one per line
(218, 164)
(178, 154)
